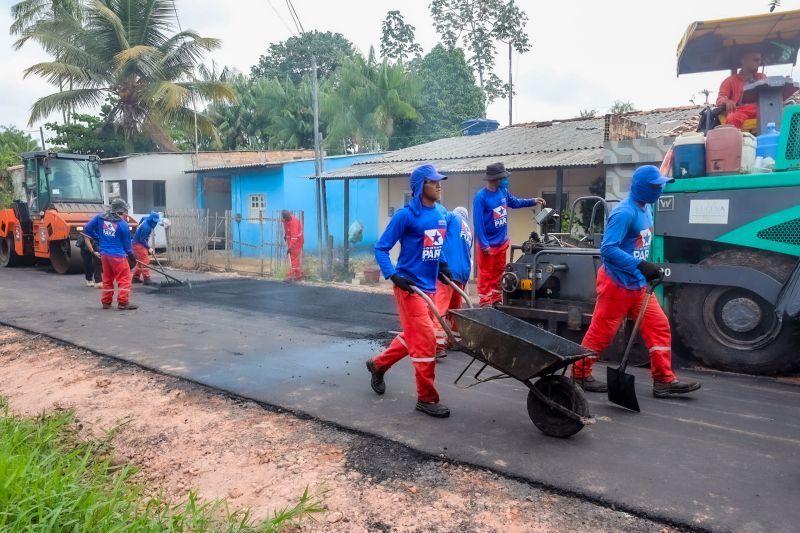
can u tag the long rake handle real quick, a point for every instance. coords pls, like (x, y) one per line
(160, 272)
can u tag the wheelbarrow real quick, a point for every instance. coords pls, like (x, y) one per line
(527, 353)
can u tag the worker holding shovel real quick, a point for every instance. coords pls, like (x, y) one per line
(142, 249)
(293, 235)
(420, 227)
(114, 235)
(621, 287)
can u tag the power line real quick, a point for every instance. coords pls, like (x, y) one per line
(283, 21)
(295, 18)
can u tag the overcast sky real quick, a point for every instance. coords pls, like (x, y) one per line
(585, 53)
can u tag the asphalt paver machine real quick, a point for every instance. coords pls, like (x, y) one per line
(729, 245)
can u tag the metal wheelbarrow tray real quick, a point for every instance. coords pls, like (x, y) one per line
(520, 350)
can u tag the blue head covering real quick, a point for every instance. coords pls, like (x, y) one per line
(643, 181)
(417, 181)
(153, 218)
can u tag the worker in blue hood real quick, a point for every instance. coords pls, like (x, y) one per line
(621, 284)
(421, 229)
(143, 247)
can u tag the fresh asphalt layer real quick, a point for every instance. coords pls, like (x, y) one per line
(726, 458)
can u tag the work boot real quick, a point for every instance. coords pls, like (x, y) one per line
(441, 354)
(127, 307)
(433, 409)
(106, 306)
(589, 384)
(136, 280)
(664, 390)
(377, 383)
(89, 283)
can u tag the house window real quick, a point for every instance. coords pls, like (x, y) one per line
(149, 195)
(258, 204)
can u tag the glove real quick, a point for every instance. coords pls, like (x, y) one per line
(444, 270)
(402, 283)
(650, 271)
(152, 251)
(132, 258)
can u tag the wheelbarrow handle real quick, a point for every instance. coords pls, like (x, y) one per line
(435, 312)
(459, 290)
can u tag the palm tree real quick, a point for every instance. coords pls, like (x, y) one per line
(126, 50)
(366, 100)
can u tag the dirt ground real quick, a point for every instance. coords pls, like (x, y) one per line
(185, 436)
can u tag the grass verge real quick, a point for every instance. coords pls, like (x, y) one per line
(52, 480)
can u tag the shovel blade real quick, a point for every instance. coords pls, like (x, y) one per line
(621, 390)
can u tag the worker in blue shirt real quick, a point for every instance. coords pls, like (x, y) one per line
(421, 229)
(621, 284)
(142, 247)
(114, 235)
(458, 249)
(490, 212)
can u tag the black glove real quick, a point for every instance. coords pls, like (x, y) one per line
(132, 258)
(650, 271)
(402, 283)
(444, 270)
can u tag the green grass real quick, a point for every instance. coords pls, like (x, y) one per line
(52, 480)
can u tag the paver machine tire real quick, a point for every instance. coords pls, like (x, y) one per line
(564, 392)
(8, 256)
(732, 328)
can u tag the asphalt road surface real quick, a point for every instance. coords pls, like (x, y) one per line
(727, 458)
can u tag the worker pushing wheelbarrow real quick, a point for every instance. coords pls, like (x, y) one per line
(522, 351)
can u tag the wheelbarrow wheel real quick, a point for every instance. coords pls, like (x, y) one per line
(564, 392)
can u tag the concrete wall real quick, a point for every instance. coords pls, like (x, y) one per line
(181, 192)
(621, 158)
(460, 189)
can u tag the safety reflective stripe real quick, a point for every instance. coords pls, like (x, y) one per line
(402, 341)
(660, 349)
(423, 359)
(120, 290)
(108, 290)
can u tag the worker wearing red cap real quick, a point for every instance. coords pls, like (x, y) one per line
(420, 227)
(293, 235)
(490, 218)
(621, 284)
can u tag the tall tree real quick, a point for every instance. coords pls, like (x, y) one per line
(91, 134)
(450, 97)
(127, 51)
(479, 25)
(397, 38)
(367, 100)
(292, 57)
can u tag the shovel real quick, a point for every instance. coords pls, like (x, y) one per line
(621, 390)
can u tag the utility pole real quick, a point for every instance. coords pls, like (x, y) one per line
(318, 166)
(510, 89)
(41, 135)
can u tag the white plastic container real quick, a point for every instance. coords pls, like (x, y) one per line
(748, 153)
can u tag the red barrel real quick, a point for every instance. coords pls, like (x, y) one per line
(723, 151)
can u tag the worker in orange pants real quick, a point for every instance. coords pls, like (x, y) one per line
(142, 247)
(490, 218)
(421, 228)
(114, 235)
(293, 235)
(458, 249)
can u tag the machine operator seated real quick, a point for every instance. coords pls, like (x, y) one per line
(731, 90)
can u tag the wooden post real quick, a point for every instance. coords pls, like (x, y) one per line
(346, 230)
(228, 240)
(261, 240)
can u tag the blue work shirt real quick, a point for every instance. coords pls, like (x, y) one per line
(490, 215)
(626, 243)
(113, 233)
(458, 247)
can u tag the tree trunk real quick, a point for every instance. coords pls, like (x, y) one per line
(157, 134)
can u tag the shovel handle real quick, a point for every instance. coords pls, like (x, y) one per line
(650, 290)
(435, 313)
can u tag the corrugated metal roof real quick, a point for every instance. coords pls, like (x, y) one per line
(565, 158)
(235, 167)
(568, 143)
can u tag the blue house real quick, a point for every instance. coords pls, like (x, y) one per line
(268, 187)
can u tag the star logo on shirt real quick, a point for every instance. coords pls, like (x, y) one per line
(433, 237)
(499, 211)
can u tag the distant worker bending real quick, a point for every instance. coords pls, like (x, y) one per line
(293, 235)
(143, 247)
(490, 217)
